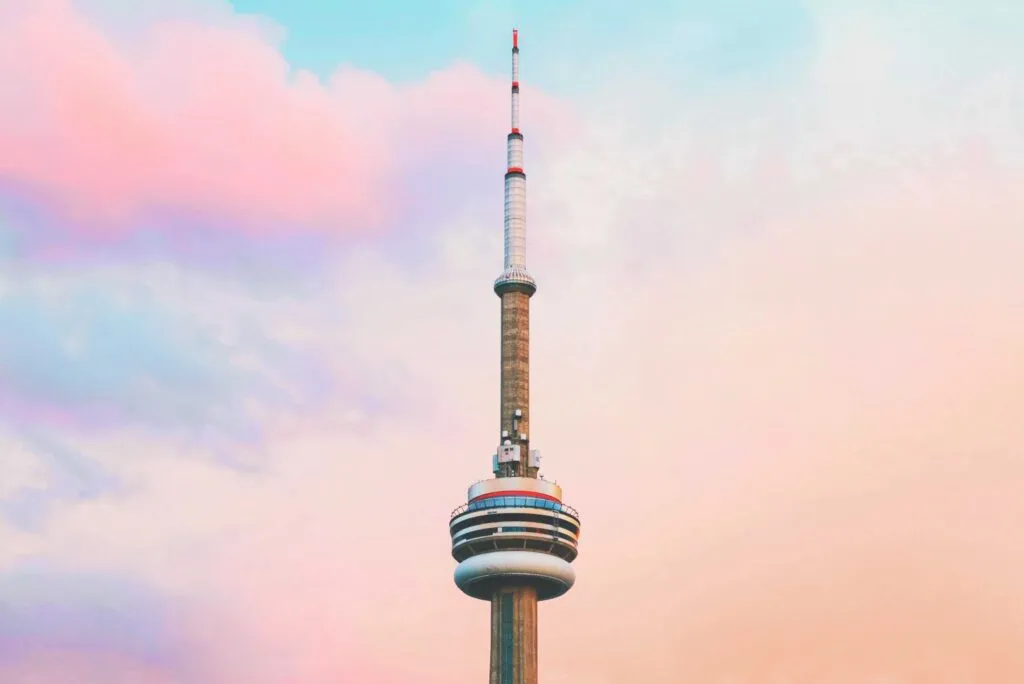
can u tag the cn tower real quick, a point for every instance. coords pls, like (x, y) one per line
(514, 539)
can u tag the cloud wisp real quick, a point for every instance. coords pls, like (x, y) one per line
(210, 120)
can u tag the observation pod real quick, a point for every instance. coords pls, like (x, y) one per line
(514, 531)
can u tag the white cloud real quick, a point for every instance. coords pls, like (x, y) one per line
(21, 468)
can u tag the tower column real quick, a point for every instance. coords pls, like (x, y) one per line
(514, 635)
(515, 376)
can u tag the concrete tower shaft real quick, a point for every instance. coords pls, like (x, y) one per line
(514, 636)
(515, 387)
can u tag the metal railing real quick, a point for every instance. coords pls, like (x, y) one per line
(503, 502)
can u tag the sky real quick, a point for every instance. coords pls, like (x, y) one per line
(249, 347)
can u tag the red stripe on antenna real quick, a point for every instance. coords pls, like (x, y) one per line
(515, 38)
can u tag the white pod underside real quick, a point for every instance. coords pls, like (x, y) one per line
(478, 576)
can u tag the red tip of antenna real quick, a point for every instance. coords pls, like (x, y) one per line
(515, 37)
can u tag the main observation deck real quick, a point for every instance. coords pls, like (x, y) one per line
(515, 527)
(514, 522)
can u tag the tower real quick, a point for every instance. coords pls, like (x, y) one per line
(514, 539)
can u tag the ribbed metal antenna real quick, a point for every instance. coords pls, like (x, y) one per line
(515, 190)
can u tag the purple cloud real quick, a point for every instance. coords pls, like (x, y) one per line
(50, 613)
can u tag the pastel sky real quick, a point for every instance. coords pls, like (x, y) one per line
(248, 345)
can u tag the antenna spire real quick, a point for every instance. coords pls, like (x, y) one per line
(515, 80)
(515, 272)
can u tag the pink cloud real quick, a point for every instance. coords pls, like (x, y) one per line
(267, 666)
(212, 120)
(62, 667)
